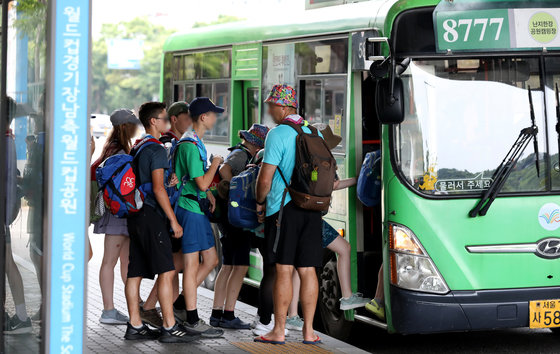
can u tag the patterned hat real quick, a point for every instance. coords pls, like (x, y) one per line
(255, 135)
(283, 95)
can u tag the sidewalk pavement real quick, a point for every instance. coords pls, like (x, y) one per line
(109, 339)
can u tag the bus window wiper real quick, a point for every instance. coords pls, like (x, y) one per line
(535, 141)
(508, 164)
(558, 120)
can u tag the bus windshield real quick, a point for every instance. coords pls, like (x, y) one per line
(461, 118)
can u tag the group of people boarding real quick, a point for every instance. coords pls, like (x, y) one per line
(183, 191)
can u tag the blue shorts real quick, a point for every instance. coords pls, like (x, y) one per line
(197, 232)
(329, 234)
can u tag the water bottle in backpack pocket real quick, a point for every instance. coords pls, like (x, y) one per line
(369, 181)
(242, 203)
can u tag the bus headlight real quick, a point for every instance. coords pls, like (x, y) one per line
(411, 267)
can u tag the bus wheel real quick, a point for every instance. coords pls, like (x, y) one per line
(210, 280)
(329, 295)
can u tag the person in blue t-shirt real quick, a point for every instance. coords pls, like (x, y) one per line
(299, 238)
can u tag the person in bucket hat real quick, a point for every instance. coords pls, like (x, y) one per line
(299, 240)
(282, 95)
(255, 135)
(236, 242)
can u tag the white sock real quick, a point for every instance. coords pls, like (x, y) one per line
(21, 312)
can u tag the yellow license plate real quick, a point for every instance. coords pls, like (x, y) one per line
(544, 313)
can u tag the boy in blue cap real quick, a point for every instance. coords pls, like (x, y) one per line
(195, 202)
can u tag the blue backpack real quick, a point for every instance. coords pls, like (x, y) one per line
(117, 177)
(242, 203)
(172, 192)
(369, 181)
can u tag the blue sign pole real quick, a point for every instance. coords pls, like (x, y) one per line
(68, 174)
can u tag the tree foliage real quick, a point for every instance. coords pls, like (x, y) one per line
(112, 89)
(221, 19)
(31, 22)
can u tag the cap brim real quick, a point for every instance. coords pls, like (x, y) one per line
(218, 109)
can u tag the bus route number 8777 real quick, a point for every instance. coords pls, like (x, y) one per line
(488, 29)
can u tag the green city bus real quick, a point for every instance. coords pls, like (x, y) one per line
(443, 89)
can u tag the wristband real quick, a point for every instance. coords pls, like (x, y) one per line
(261, 204)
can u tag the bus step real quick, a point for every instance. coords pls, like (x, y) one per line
(370, 321)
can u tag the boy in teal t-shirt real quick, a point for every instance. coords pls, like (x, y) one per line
(198, 240)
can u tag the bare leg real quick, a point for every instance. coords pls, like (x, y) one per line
(379, 293)
(112, 249)
(342, 248)
(282, 297)
(37, 261)
(296, 283)
(152, 299)
(308, 298)
(178, 263)
(220, 287)
(235, 282)
(209, 262)
(190, 284)
(165, 293)
(131, 290)
(125, 248)
(14, 278)
(90, 250)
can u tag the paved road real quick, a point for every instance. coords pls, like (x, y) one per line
(521, 340)
(502, 341)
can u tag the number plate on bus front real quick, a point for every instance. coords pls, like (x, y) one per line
(544, 313)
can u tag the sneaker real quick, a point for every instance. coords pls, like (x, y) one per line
(151, 317)
(295, 323)
(180, 315)
(178, 334)
(204, 329)
(255, 322)
(37, 316)
(16, 326)
(215, 322)
(143, 333)
(236, 323)
(262, 329)
(377, 308)
(354, 301)
(113, 317)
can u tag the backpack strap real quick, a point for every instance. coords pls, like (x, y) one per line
(279, 220)
(281, 212)
(186, 178)
(299, 127)
(244, 149)
(140, 145)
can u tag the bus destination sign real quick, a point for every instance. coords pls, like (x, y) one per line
(461, 28)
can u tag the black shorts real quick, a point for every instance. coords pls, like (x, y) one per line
(150, 244)
(299, 241)
(176, 244)
(236, 245)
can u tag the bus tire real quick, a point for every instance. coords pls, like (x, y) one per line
(332, 317)
(210, 280)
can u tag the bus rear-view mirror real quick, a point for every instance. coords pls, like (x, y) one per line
(389, 101)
